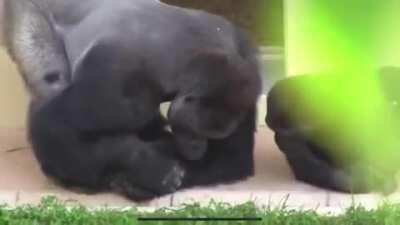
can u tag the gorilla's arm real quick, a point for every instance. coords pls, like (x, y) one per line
(110, 92)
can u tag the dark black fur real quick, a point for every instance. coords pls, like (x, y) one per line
(104, 69)
(226, 160)
(298, 137)
(138, 165)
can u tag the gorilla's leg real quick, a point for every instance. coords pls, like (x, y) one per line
(311, 164)
(142, 170)
(114, 160)
(297, 138)
(226, 160)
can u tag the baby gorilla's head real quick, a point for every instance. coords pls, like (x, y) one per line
(217, 91)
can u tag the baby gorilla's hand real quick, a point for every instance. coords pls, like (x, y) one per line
(190, 147)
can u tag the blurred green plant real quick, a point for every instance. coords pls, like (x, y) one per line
(351, 41)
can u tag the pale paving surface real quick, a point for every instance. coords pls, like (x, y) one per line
(21, 182)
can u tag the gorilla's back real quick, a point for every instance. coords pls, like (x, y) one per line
(68, 12)
(154, 30)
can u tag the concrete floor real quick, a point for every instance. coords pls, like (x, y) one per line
(22, 182)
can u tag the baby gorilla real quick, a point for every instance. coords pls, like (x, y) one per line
(98, 71)
(318, 155)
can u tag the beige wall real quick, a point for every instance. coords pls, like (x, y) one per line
(13, 97)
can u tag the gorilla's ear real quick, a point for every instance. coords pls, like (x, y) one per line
(35, 46)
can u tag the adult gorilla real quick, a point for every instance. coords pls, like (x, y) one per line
(97, 71)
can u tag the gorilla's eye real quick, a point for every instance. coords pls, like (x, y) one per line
(52, 77)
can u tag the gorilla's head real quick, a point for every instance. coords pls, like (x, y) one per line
(218, 89)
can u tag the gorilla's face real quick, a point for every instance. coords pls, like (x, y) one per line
(202, 117)
(217, 89)
(195, 120)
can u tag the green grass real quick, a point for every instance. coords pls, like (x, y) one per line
(52, 212)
